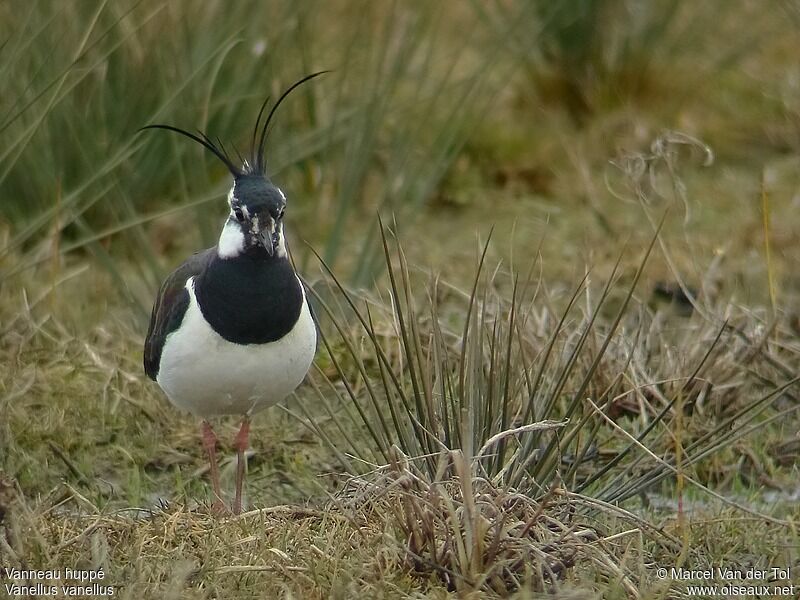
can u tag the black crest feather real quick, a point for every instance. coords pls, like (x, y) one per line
(204, 141)
(257, 153)
(256, 165)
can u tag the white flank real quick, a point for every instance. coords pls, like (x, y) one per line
(231, 240)
(207, 375)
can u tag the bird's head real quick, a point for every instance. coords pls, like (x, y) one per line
(255, 223)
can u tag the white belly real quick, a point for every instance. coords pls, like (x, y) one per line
(205, 374)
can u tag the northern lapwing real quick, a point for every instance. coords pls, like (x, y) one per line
(231, 331)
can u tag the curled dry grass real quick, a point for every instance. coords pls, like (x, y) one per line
(473, 535)
(393, 528)
(393, 533)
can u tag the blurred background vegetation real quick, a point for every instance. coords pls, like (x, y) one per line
(572, 128)
(452, 117)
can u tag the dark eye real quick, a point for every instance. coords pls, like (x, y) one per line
(237, 212)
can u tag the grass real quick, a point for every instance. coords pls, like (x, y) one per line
(549, 409)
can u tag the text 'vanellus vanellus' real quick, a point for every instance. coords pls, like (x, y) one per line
(231, 331)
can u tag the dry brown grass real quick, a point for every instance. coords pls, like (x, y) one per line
(87, 497)
(474, 536)
(389, 533)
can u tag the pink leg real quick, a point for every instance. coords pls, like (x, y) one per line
(210, 445)
(240, 443)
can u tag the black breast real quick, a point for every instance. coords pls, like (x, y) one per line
(250, 299)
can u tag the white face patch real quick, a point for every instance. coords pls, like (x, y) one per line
(281, 249)
(231, 240)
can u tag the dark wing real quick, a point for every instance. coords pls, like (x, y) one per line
(169, 308)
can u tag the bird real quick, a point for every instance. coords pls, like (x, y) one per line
(231, 331)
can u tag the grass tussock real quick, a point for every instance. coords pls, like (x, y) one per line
(475, 536)
(411, 370)
(393, 532)
(388, 529)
